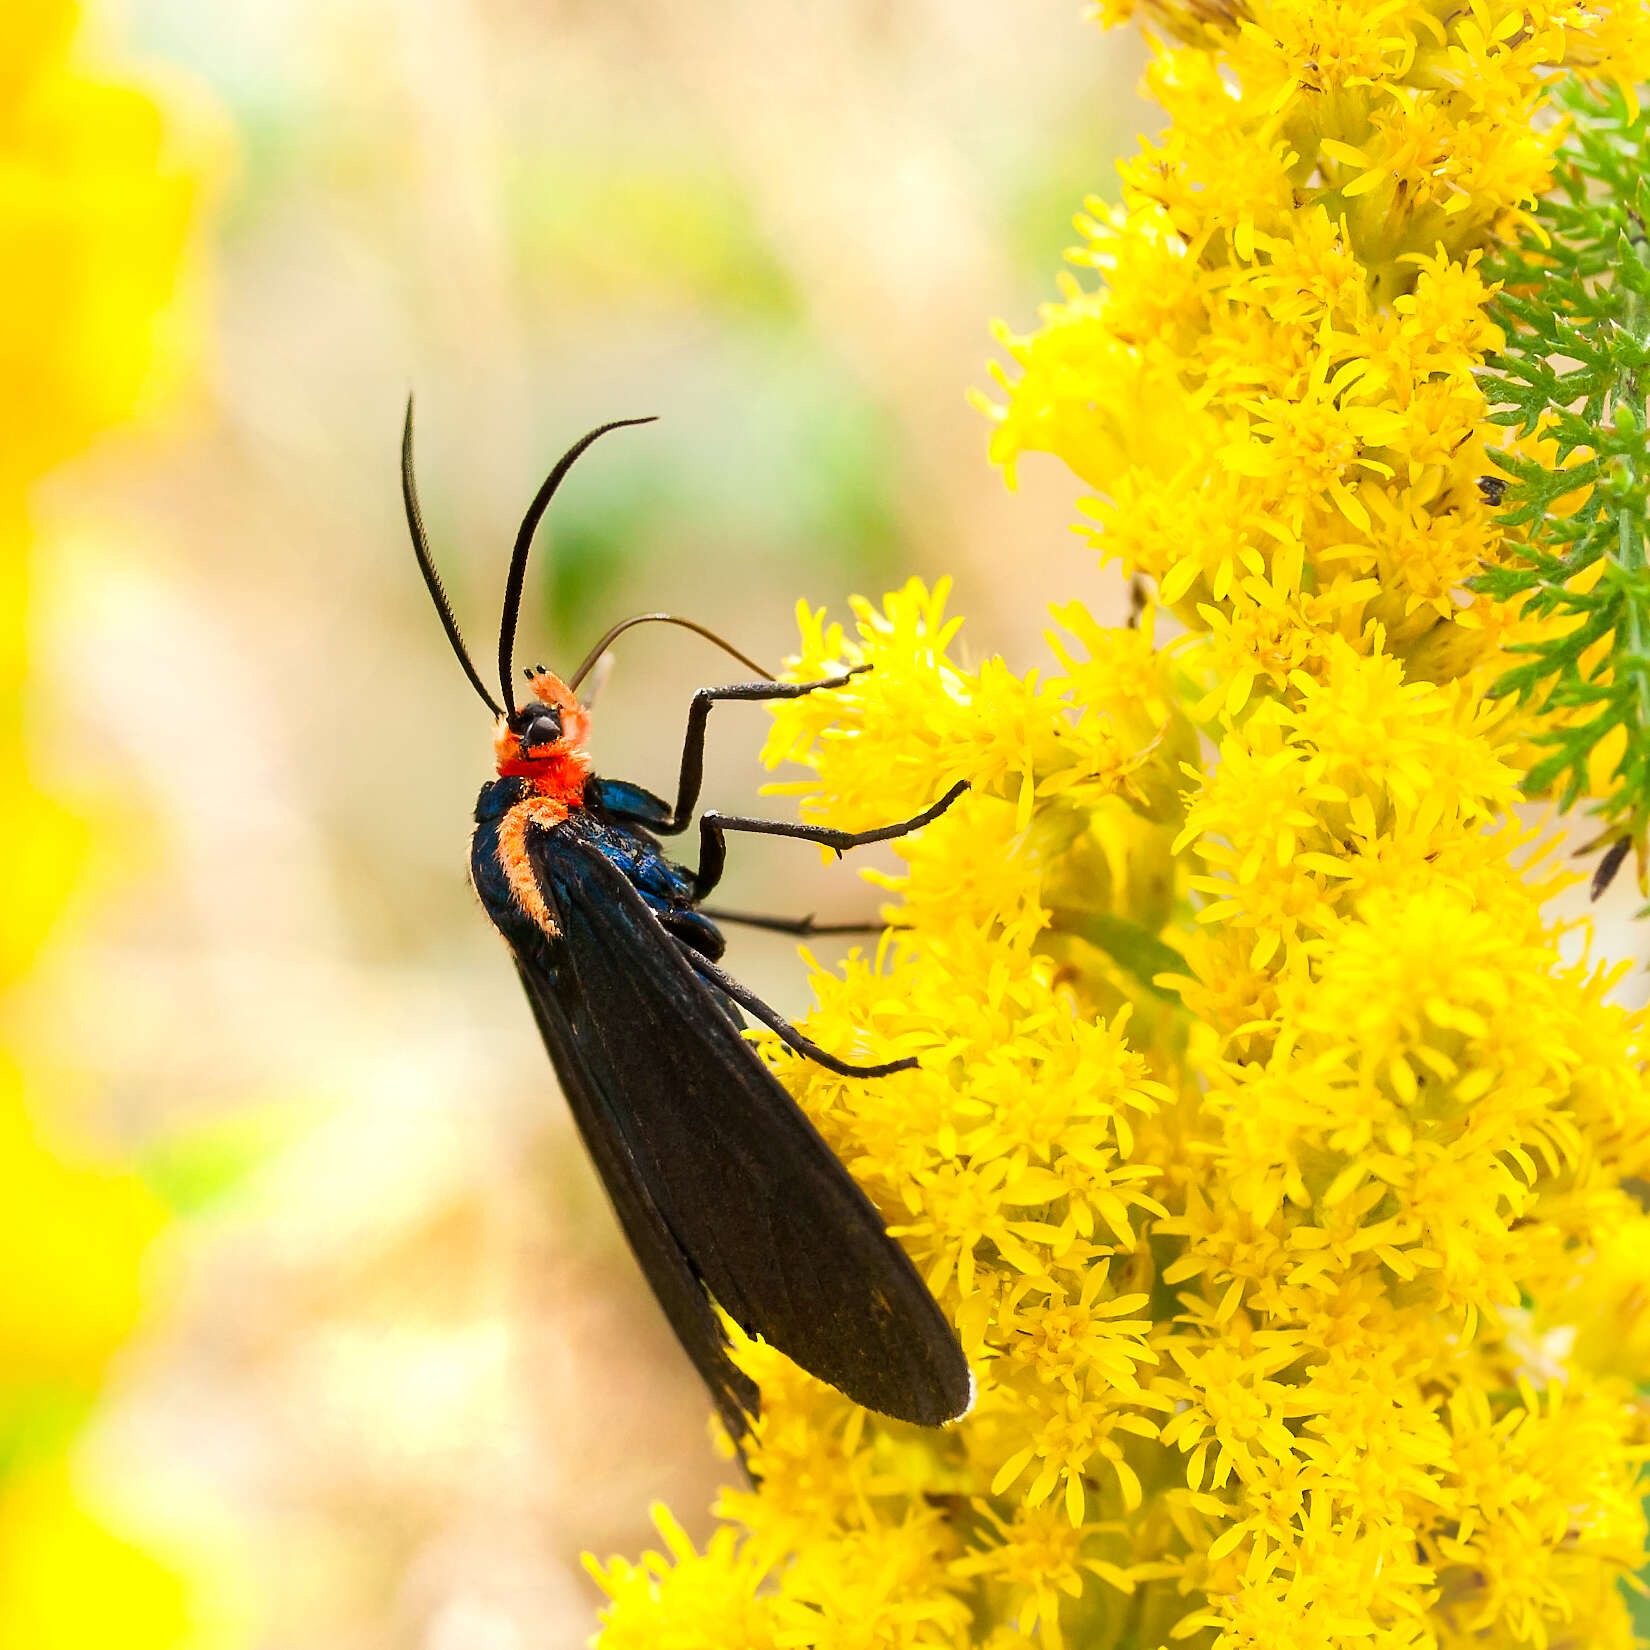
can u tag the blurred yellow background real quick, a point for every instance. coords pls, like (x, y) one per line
(319, 1333)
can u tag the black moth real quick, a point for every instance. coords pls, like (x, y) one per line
(723, 1187)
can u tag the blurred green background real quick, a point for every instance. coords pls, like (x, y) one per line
(390, 1367)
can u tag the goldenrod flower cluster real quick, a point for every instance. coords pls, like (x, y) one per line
(1272, 1161)
(93, 212)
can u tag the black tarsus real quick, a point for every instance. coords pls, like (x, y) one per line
(426, 565)
(517, 579)
(802, 927)
(775, 1021)
(713, 846)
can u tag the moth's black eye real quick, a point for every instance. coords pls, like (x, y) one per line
(542, 727)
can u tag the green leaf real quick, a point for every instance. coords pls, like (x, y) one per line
(1575, 308)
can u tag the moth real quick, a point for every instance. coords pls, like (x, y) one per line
(726, 1192)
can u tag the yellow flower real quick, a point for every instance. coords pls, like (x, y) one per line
(1034, 1561)
(77, 1234)
(665, 1602)
(96, 199)
(68, 1582)
(1270, 1157)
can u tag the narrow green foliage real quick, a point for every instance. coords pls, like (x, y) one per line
(1575, 306)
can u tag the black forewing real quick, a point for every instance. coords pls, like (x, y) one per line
(698, 1143)
(675, 1283)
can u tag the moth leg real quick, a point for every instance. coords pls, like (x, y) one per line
(693, 745)
(713, 846)
(694, 929)
(774, 1021)
(802, 927)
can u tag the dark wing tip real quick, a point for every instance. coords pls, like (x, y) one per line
(946, 1397)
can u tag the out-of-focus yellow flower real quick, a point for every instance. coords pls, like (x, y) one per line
(68, 1582)
(1270, 1158)
(77, 1236)
(95, 205)
(97, 198)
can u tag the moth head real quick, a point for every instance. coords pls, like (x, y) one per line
(548, 731)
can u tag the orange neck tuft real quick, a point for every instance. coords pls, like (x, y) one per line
(561, 777)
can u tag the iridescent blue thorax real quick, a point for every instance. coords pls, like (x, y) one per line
(604, 823)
